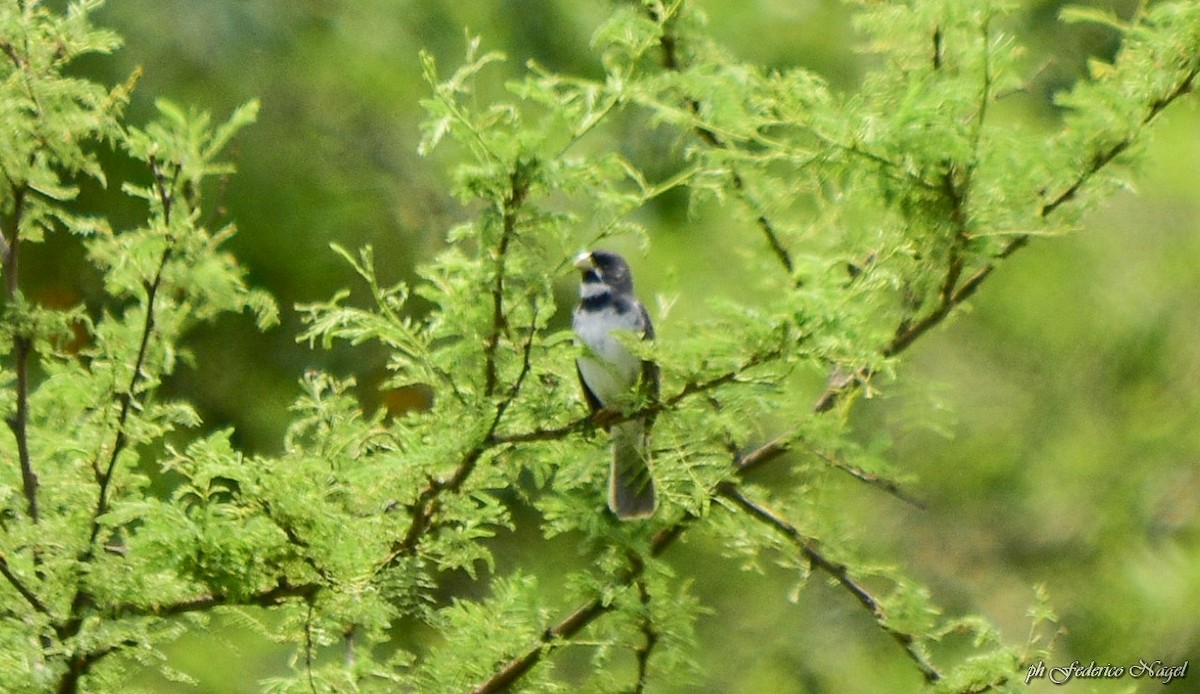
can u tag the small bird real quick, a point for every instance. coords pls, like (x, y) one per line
(609, 372)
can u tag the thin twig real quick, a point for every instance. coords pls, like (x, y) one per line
(669, 46)
(519, 183)
(886, 485)
(1105, 157)
(126, 398)
(104, 476)
(956, 190)
(425, 506)
(295, 540)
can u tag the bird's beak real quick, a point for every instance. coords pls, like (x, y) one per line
(584, 261)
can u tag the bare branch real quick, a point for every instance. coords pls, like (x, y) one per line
(886, 485)
(15, 581)
(839, 572)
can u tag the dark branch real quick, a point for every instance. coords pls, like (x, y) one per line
(573, 623)
(106, 474)
(585, 614)
(1106, 156)
(886, 485)
(589, 422)
(15, 581)
(422, 510)
(518, 189)
(954, 293)
(276, 595)
(839, 572)
(81, 663)
(18, 423)
(649, 636)
(425, 507)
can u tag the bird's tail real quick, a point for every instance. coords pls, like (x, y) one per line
(631, 488)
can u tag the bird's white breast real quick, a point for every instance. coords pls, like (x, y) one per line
(611, 370)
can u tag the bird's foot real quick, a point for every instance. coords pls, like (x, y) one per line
(605, 418)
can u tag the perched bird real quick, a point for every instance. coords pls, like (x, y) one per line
(609, 373)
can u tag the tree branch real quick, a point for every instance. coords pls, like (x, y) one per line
(424, 508)
(669, 46)
(15, 581)
(105, 477)
(512, 670)
(276, 595)
(18, 423)
(690, 389)
(883, 484)
(839, 572)
(649, 635)
(1106, 156)
(572, 624)
(952, 297)
(519, 183)
(80, 664)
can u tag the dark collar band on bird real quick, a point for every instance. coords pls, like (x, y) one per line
(612, 377)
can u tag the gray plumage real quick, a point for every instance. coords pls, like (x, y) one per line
(610, 373)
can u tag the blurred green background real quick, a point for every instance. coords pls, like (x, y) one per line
(1066, 450)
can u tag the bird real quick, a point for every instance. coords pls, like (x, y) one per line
(610, 375)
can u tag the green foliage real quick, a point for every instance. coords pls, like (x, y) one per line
(858, 222)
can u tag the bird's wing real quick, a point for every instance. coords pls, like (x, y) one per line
(592, 401)
(648, 383)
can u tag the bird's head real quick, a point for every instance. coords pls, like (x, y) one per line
(605, 267)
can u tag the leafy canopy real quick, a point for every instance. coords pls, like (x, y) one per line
(851, 223)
